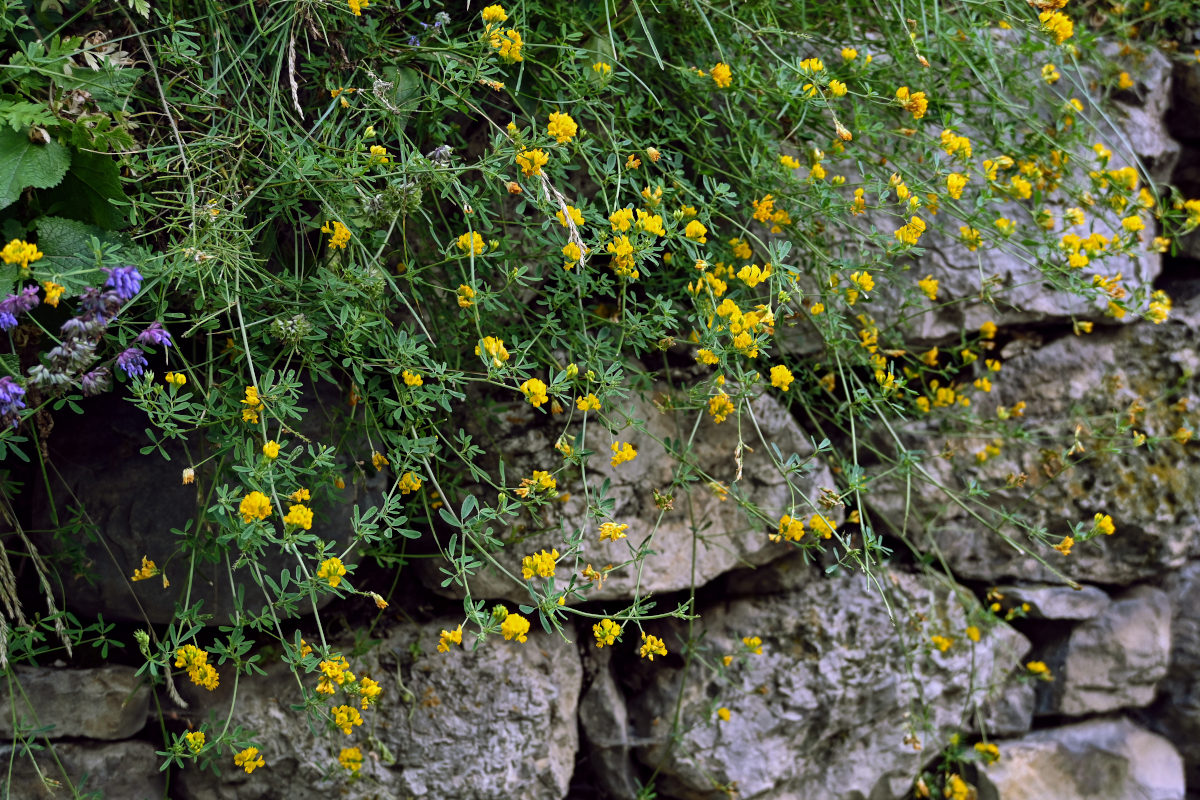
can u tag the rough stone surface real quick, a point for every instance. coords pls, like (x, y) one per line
(1116, 660)
(1105, 759)
(116, 771)
(1176, 714)
(104, 703)
(492, 724)
(604, 721)
(1009, 712)
(1058, 602)
(134, 510)
(728, 537)
(1072, 385)
(824, 711)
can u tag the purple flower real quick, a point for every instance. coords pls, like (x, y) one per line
(155, 334)
(11, 400)
(16, 304)
(96, 381)
(132, 362)
(99, 306)
(125, 281)
(413, 41)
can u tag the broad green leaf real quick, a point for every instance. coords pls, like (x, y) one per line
(24, 164)
(85, 194)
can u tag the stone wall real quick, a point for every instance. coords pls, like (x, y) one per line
(850, 697)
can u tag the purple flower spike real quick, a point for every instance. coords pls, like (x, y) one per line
(11, 400)
(155, 334)
(7, 321)
(96, 381)
(132, 362)
(125, 281)
(15, 304)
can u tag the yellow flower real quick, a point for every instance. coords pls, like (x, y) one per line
(471, 242)
(300, 516)
(346, 718)
(720, 407)
(331, 570)
(1133, 224)
(532, 161)
(973, 633)
(21, 252)
(254, 506)
(955, 182)
(175, 378)
(271, 449)
(929, 286)
(1040, 669)
(147, 570)
(351, 758)
(535, 392)
(54, 291)
(1050, 74)
(723, 714)
(588, 403)
(195, 740)
(622, 452)
(573, 254)
(379, 461)
(509, 44)
(1065, 545)
(910, 232)
(1103, 524)
(652, 646)
(1057, 24)
(1124, 81)
(539, 564)
(300, 496)
(788, 162)
(339, 234)
(821, 526)
(408, 483)
(602, 69)
(696, 231)
(515, 627)
(611, 531)
(576, 216)
(379, 154)
(942, 643)
(722, 76)
(706, 357)
(790, 528)
(606, 632)
(849, 54)
(495, 350)
(248, 759)
(914, 103)
(448, 638)
(781, 377)
(621, 220)
(412, 378)
(562, 127)
(494, 13)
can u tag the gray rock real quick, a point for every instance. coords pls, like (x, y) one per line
(1117, 659)
(1009, 712)
(825, 710)
(1176, 714)
(727, 536)
(1047, 601)
(105, 703)
(1105, 759)
(135, 510)
(1090, 382)
(116, 771)
(604, 721)
(489, 724)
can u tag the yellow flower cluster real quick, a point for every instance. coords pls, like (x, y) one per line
(248, 759)
(448, 638)
(495, 350)
(539, 564)
(652, 646)
(331, 571)
(622, 452)
(914, 103)
(720, 407)
(515, 627)
(562, 127)
(21, 252)
(606, 632)
(611, 531)
(409, 482)
(254, 506)
(339, 234)
(532, 161)
(195, 661)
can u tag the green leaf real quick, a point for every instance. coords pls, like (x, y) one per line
(68, 248)
(19, 114)
(91, 192)
(24, 164)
